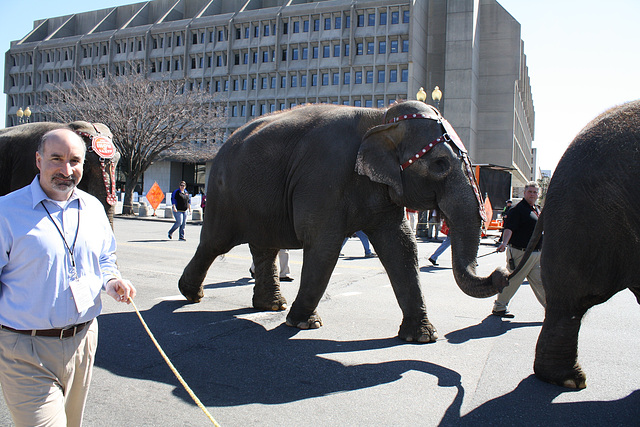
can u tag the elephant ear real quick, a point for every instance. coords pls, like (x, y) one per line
(378, 158)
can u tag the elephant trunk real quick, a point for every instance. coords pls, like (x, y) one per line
(465, 240)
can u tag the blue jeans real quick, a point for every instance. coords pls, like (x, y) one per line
(443, 246)
(181, 221)
(363, 239)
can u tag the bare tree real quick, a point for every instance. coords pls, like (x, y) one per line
(150, 119)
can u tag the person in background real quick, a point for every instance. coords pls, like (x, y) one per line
(433, 259)
(505, 214)
(412, 216)
(284, 272)
(180, 204)
(365, 244)
(57, 253)
(518, 229)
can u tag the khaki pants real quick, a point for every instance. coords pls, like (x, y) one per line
(45, 380)
(530, 271)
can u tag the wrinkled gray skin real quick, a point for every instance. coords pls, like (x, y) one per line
(591, 222)
(310, 176)
(18, 146)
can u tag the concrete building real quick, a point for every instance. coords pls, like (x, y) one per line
(266, 55)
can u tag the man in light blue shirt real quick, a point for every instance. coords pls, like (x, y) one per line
(57, 253)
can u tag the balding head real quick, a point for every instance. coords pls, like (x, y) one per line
(59, 158)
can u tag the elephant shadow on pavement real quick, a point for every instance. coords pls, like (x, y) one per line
(531, 404)
(491, 326)
(228, 360)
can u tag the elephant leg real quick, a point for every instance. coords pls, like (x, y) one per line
(317, 266)
(266, 291)
(556, 358)
(397, 249)
(190, 283)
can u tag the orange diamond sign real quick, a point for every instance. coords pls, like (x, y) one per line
(155, 196)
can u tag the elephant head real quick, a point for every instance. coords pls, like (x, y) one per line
(100, 163)
(417, 154)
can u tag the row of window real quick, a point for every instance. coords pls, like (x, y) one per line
(314, 79)
(255, 110)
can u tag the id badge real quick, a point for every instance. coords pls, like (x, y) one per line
(81, 290)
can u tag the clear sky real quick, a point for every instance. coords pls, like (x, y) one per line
(583, 57)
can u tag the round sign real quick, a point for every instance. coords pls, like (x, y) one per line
(103, 147)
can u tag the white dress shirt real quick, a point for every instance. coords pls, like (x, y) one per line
(36, 265)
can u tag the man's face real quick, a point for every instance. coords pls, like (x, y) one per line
(60, 164)
(531, 195)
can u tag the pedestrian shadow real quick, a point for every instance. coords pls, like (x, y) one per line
(491, 326)
(228, 360)
(434, 268)
(149, 241)
(245, 281)
(531, 404)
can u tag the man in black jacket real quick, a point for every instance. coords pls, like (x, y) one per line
(518, 229)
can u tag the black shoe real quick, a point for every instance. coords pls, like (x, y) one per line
(503, 313)
(183, 239)
(370, 255)
(286, 279)
(169, 235)
(433, 261)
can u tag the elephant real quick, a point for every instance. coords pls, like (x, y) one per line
(18, 145)
(312, 175)
(592, 206)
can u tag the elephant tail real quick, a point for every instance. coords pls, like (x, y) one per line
(535, 238)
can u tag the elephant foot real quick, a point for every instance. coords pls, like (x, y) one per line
(271, 303)
(191, 294)
(312, 322)
(573, 377)
(421, 331)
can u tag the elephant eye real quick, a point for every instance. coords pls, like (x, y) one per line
(440, 166)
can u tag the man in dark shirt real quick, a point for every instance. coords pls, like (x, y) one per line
(518, 229)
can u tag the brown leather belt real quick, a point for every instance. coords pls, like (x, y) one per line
(58, 333)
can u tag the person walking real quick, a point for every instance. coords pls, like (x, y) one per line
(284, 271)
(365, 243)
(57, 253)
(518, 229)
(180, 205)
(433, 259)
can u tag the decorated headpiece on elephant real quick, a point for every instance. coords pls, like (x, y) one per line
(310, 176)
(19, 144)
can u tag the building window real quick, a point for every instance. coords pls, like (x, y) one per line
(296, 26)
(294, 54)
(244, 84)
(294, 81)
(273, 82)
(383, 18)
(325, 79)
(305, 26)
(369, 77)
(256, 31)
(314, 80)
(338, 23)
(357, 103)
(359, 48)
(370, 48)
(243, 111)
(393, 76)
(283, 81)
(372, 20)
(405, 45)
(336, 79)
(382, 47)
(346, 49)
(179, 40)
(380, 103)
(347, 78)
(395, 17)
(236, 85)
(284, 54)
(265, 31)
(326, 51)
(238, 33)
(405, 17)
(394, 46)
(265, 83)
(347, 21)
(381, 76)
(327, 23)
(368, 103)
(336, 50)
(234, 111)
(253, 110)
(303, 80)
(358, 77)
(360, 21)
(404, 75)
(221, 35)
(305, 52)
(265, 56)
(316, 25)
(254, 83)
(245, 58)
(315, 52)
(246, 32)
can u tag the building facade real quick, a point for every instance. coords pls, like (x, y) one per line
(266, 55)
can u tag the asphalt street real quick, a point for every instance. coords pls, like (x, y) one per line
(249, 369)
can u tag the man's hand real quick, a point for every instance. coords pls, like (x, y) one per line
(121, 290)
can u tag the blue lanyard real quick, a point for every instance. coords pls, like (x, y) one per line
(66, 245)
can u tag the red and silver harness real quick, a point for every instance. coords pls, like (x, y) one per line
(108, 171)
(454, 140)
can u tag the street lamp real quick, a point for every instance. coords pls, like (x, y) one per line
(436, 95)
(421, 95)
(23, 115)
